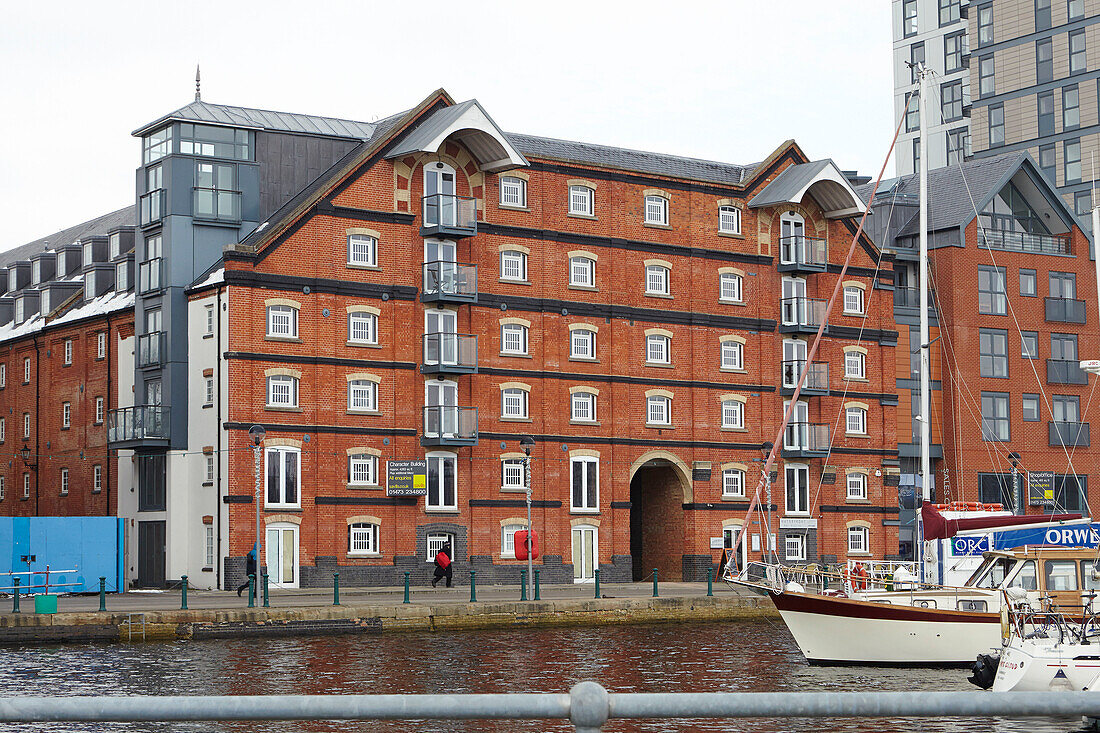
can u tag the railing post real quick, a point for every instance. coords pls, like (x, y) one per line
(102, 593)
(596, 576)
(473, 586)
(336, 589)
(183, 592)
(537, 585)
(710, 581)
(15, 596)
(252, 590)
(523, 585)
(406, 587)
(589, 707)
(654, 582)
(267, 604)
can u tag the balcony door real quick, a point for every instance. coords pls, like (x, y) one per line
(281, 554)
(585, 553)
(792, 234)
(797, 434)
(442, 422)
(794, 358)
(442, 348)
(441, 277)
(796, 477)
(794, 300)
(439, 192)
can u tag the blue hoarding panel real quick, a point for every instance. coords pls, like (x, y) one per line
(1077, 535)
(75, 550)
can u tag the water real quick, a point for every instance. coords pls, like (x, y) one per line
(751, 656)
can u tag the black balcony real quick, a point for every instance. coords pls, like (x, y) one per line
(1065, 310)
(217, 204)
(149, 279)
(150, 349)
(152, 207)
(449, 353)
(449, 282)
(817, 377)
(802, 254)
(805, 440)
(1047, 244)
(449, 425)
(801, 315)
(1063, 371)
(1068, 434)
(447, 215)
(910, 298)
(143, 425)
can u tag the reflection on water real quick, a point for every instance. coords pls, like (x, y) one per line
(757, 656)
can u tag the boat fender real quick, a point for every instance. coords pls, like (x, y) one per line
(985, 670)
(1005, 628)
(793, 587)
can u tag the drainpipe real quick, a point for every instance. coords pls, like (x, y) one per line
(106, 409)
(218, 432)
(37, 410)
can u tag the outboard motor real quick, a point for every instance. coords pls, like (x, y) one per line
(985, 670)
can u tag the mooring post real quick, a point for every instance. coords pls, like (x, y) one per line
(473, 586)
(15, 596)
(252, 590)
(654, 582)
(336, 589)
(537, 584)
(596, 575)
(406, 587)
(102, 593)
(267, 604)
(710, 581)
(183, 592)
(523, 585)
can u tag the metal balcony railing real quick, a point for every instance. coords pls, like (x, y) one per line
(450, 425)
(1068, 434)
(1065, 310)
(817, 376)
(150, 349)
(449, 282)
(801, 253)
(1051, 244)
(218, 204)
(1064, 371)
(152, 206)
(910, 298)
(805, 438)
(801, 314)
(149, 275)
(454, 353)
(448, 215)
(142, 422)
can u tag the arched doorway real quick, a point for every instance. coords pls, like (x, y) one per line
(660, 484)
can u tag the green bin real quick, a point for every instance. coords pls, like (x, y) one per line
(45, 604)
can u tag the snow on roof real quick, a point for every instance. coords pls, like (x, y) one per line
(107, 303)
(215, 277)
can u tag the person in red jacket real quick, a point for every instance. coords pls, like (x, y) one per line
(443, 565)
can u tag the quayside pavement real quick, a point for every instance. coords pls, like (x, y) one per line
(148, 616)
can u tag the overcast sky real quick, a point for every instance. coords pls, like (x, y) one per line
(727, 80)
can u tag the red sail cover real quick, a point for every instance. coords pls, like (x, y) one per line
(936, 527)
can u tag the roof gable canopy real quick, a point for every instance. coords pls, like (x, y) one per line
(821, 180)
(469, 124)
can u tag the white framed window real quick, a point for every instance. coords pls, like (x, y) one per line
(513, 265)
(730, 287)
(122, 272)
(733, 414)
(855, 420)
(581, 200)
(282, 321)
(513, 403)
(853, 300)
(282, 391)
(26, 425)
(656, 280)
(582, 272)
(508, 539)
(208, 389)
(794, 547)
(442, 487)
(436, 541)
(26, 370)
(26, 486)
(796, 479)
(858, 541)
(855, 365)
(584, 482)
(582, 407)
(68, 351)
(582, 344)
(513, 192)
(733, 355)
(658, 410)
(284, 476)
(66, 414)
(97, 478)
(209, 467)
(2, 487)
(512, 474)
(656, 210)
(857, 486)
(3, 429)
(513, 339)
(210, 319)
(362, 250)
(101, 344)
(3, 375)
(208, 536)
(657, 349)
(362, 395)
(99, 410)
(362, 539)
(729, 219)
(733, 483)
(362, 327)
(363, 469)
(64, 482)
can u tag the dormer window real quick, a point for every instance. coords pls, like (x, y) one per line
(115, 243)
(122, 277)
(88, 251)
(36, 272)
(19, 310)
(89, 285)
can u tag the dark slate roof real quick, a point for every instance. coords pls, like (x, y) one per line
(98, 226)
(632, 160)
(265, 119)
(949, 203)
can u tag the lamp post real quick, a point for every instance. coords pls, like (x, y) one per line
(766, 450)
(526, 442)
(257, 434)
(1017, 499)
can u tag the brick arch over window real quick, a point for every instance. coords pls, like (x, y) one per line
(678, 465)
(453, 155)
(767, 225)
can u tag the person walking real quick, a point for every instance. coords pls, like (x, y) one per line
(443, 567)
(249, 569)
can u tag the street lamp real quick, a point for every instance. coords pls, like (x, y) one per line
(527, 442)
(766, 450)
(257, 434)
(25, 454)
(1017, 499)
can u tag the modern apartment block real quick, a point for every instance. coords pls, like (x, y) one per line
(429, 287)
(1019, 75)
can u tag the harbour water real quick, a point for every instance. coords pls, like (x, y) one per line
(741, 657)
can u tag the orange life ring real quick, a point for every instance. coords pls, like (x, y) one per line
(860, 573)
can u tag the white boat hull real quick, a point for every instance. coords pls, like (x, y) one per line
(1028, 666)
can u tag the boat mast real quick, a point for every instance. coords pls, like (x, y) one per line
(925, 378)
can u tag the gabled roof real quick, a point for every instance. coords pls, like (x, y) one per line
(262, 119)
(94, 227)
(468, 123)
(821, 180)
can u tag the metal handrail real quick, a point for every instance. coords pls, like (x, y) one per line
(817, 374)
(802, 311)
(1024, 242)
(151, 206)
(224, 203)
(802, 250)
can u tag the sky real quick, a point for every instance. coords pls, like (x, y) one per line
(728, 80)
